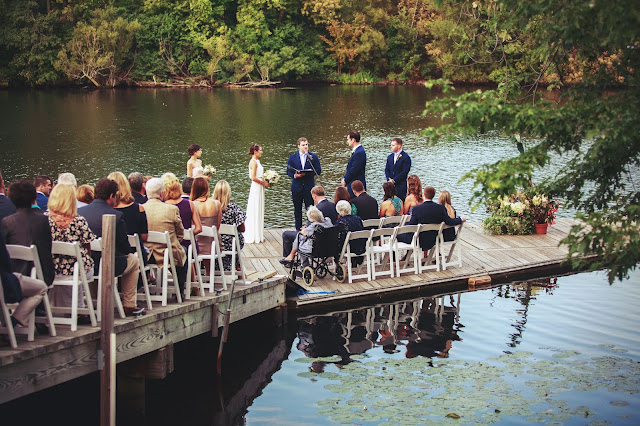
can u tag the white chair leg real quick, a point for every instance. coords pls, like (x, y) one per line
(145, 286)
(47, 309)
(89, 303)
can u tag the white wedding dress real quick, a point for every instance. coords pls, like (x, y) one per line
(254, 224)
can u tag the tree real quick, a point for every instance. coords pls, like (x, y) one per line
(594, 126)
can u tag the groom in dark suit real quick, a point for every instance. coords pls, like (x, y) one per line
(302, 182)
(398, 167)
(357, 163)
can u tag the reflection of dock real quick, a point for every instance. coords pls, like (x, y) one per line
(499, 256)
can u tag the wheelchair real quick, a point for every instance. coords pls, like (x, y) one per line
(325, 247)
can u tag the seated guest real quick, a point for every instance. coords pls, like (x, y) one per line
(133, 213)
(70, 179)
(163, 217)
(391, 204)
(364, 204)
(343, 194)
(327, 208)
(126, 263)
(84, 194)
(429, 212)
(18, 288)
(28, 226)
(304, 242)
(209, 211)
(414, 194)
(43, 185)
(231, 215)
(187, 183)
(68, 227)
(349, 223)
(6, 206)
(188, 212)
(136, 182)
(444, 199)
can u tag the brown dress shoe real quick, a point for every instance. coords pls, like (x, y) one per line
(134, 311)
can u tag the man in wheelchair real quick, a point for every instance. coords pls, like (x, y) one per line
(314, 246)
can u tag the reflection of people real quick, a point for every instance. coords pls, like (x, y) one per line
(194, 165)
(397, 168)
(254, 232)
(357, 163)
(302, 182)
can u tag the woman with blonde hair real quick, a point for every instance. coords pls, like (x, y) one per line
(414, 193)
(188, 212)
(444, 198)
(67, 226)
(85, 194)
(231, 214)
(133, 213)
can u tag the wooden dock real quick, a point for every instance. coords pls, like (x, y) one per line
(499, 256)
(52, 360)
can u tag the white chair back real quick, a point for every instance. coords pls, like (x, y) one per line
(6, 317)
(380, 253)
(411, 250)
(96, 245)
(435, 250)
(215, 255)
(371, 223)
(348, 255)
(168, 267)
(455, 246)
(134, 241)
(235, 252)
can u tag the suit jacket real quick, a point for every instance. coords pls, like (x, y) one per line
(328, 209)
(366, 205)
(430, 212)
(42, 201)
(139, 198)
(398, 172)
(10, 283)
(26, 227)
(93, 213)
(165, 217)
(305, 183)
(6, 207)
(356, 168)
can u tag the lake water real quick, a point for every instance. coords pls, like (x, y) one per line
(96, 132)
(562, 351)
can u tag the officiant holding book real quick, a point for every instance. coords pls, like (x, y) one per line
(302, 168)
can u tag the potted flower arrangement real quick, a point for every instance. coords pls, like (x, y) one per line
(543, 210)
(510, 215)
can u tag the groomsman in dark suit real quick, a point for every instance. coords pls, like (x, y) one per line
(302, 182)
(357, 163)
(44, 185)
(398, 167)
(6, 206)
(429, 212)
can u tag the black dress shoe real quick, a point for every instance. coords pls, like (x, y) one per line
(84, 320)
(42, 329)
(134, 311)
(286, 262)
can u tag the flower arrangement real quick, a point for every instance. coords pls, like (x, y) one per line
(543, 208)
(209, 170)
(517, 214)
(271, 176)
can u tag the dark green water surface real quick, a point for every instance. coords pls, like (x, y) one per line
(94, 133)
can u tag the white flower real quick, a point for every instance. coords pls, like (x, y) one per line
(209, 170)
(518, 207)
(271, 176)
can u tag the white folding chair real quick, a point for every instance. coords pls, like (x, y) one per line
(453, 246)
(168, 268)
(390, 222)
(79, 278)
(412, 249)
(383, 249)
(193, 264)
(371, 224)
(30, 254)
(96, 245)
(214, 257)
(348, 255)
(427, 262)
(406, 219)
(7, 328)
(235, 252)
(134, 241)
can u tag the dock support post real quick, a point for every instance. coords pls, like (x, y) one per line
(107, 336)
(214, 320)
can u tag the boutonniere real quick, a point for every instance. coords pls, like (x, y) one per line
(399, 156)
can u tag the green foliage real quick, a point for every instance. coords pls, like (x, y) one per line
(362, 77)
(594, 125)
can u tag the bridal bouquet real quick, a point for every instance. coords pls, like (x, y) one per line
(271, 176)
(209, 170)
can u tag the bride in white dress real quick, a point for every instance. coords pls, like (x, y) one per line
(194, 165)
(254, 224)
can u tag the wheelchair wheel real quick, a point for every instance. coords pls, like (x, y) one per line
(308, 276)
(321, 271)
(341, 272)
(292, 274)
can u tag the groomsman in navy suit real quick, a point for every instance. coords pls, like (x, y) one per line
(357, 163)
(398, 167)
(302, 182)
